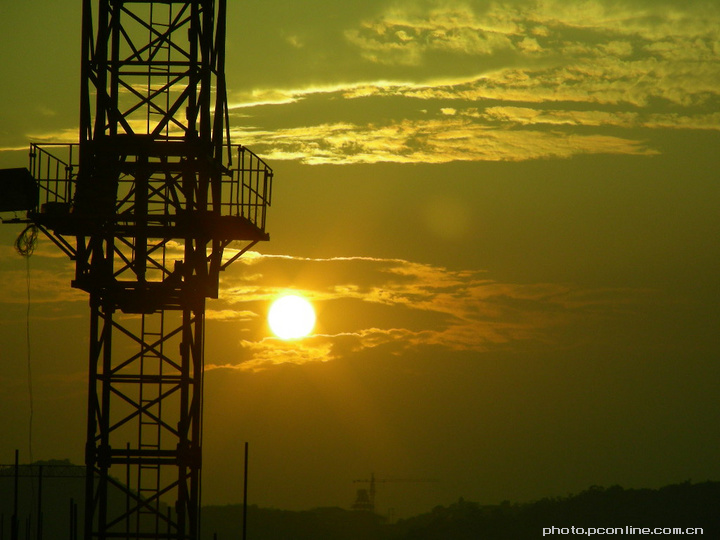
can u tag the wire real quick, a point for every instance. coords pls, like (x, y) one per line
(32, 242)
(27, 240)
(25, 245)
(29, 363)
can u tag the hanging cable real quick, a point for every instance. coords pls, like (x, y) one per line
(26, 241)
(29, 356)
(25, 246)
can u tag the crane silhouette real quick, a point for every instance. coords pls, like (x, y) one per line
(365, 498)
(151, 204)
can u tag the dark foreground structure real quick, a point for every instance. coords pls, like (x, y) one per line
(41, 501)
(147, 204)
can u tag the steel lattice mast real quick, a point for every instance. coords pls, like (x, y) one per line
(146, 205)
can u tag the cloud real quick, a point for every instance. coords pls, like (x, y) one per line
(527, 116)
(499, 81)
(46, 286)
(399, 305)
(510, 81)
(439, 140)
(48, 273)
(597, 51)
(229, 315)
(648, 20)
(404, 37)
(404, 33)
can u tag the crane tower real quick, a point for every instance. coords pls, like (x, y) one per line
(365, 498)
(146, 204)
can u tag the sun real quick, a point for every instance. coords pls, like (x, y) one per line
(291, 317)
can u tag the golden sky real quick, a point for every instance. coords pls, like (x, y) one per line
(505, 214)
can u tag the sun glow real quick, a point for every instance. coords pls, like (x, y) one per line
(291, 317)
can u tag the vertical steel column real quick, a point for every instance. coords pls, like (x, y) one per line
(149, 173)
(14, 525)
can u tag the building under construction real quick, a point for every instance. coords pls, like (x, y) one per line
(151, 203)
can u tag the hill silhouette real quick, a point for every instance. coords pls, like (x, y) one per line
(682, 506)
(678, 506)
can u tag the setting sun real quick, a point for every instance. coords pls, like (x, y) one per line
(291, 317)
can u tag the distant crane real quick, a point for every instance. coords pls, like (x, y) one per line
(365, 498)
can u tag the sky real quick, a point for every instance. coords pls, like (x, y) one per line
(504, 213)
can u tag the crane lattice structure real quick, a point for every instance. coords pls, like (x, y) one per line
(365, 498)
(146, 205)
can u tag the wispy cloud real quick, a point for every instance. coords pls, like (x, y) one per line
(229, 315)
(524, 80)
(509, 81)
(439, 140)
(400, 305)
(526, 116)
(367, 303)
(405, 36)
(47, 273)
(46, 286)
(407, 33)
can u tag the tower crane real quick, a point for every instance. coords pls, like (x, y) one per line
(365, 498)
(146, 204)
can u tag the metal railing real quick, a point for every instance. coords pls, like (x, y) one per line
(251, 188)
(54, 167)
(246, 191)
